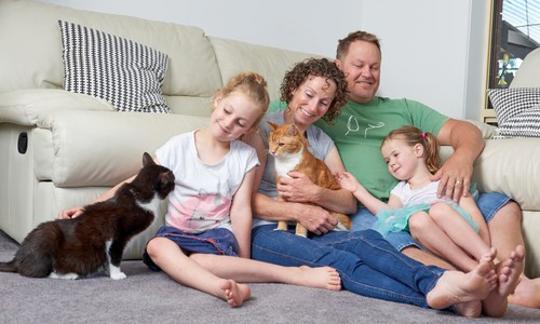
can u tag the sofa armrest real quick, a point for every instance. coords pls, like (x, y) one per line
(511, 166)
(102, 148)
(26, 107)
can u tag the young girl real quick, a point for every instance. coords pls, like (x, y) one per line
(208, 222)
(444, 227)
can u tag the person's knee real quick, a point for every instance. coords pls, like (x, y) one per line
(419, 223)
(155, 247)
(511, 212)
(440, 211)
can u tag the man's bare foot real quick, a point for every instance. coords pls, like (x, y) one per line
(321, 277)
(527, 293)
(509, 272)
(455, 287)
(234, 293)
(496, 303)
(469, 309)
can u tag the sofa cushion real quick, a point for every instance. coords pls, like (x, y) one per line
(525, 123)
(511, 102)
(102, 148)
(127, 74)
(31, 54)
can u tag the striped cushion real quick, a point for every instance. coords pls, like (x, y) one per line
(525, 124)
(509, 102)
(127, 74)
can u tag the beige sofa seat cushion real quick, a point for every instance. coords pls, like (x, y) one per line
(101, 148)
(272, 63)
(31, 55)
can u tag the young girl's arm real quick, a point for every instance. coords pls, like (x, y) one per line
(469, 205)
(241, 214)
(374, 205)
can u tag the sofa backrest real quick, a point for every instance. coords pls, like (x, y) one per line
(31, 55)
(527, 75)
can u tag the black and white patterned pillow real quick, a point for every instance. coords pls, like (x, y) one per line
(125, 73)
(526, 124)
(509, 102)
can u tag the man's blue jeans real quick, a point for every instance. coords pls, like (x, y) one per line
(368, 265)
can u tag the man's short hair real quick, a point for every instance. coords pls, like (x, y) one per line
(345, 43)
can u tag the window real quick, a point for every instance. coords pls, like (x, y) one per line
(515, 33)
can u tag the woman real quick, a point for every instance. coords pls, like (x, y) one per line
(367, 264)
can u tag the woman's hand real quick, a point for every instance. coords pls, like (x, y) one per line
(70, 213)
(298, 188)
(316, 219)
(347, 181)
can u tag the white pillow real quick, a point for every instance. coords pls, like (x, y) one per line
(125, 73)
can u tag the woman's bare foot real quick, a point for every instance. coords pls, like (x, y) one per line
(321, 277)
(527, 293)
(455, 287)
(234, 293)
(496, 302)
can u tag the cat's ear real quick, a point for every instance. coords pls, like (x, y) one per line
(292, 130)
(272, 125)
(147, 159)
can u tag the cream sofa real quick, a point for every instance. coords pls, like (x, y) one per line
(78, 146)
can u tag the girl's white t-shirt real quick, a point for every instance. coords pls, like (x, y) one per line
(424, 195)
(203, 193)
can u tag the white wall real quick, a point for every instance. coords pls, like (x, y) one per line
(425, 43)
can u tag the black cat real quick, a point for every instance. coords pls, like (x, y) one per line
(72, 248)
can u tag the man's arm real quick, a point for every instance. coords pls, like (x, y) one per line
(456, 173)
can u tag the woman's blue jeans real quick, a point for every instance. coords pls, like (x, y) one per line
(368, 264)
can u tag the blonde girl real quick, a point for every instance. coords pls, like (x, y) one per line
(205, 242)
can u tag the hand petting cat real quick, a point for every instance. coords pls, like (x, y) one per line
(70, 213)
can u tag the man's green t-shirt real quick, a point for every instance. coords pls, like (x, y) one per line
(360, 128)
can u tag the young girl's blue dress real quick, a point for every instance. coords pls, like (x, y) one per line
(396, 220)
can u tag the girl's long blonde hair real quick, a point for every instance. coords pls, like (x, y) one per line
(413, 136)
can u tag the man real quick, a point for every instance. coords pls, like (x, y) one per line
(367, 118)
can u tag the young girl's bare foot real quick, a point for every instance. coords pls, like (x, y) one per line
(234, 293)
(455, 287)
(321, 277)
(496, 303)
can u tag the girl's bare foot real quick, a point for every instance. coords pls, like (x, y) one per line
(496, 303)
(455, 287)
(321, 277)
(234, 293)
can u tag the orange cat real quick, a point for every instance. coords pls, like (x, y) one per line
(289, 148)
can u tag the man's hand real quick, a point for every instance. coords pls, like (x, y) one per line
(455, 178)
(70, 213)
(316, 219)
(297, 188)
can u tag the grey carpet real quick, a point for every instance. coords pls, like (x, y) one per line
(147, 297)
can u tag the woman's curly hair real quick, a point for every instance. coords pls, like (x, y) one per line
(316, 67)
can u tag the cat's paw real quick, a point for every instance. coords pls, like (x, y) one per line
(118, 275)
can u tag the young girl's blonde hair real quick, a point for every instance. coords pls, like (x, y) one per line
(413, 136)
(250, 84)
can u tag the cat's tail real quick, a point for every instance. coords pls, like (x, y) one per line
(8, 266)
